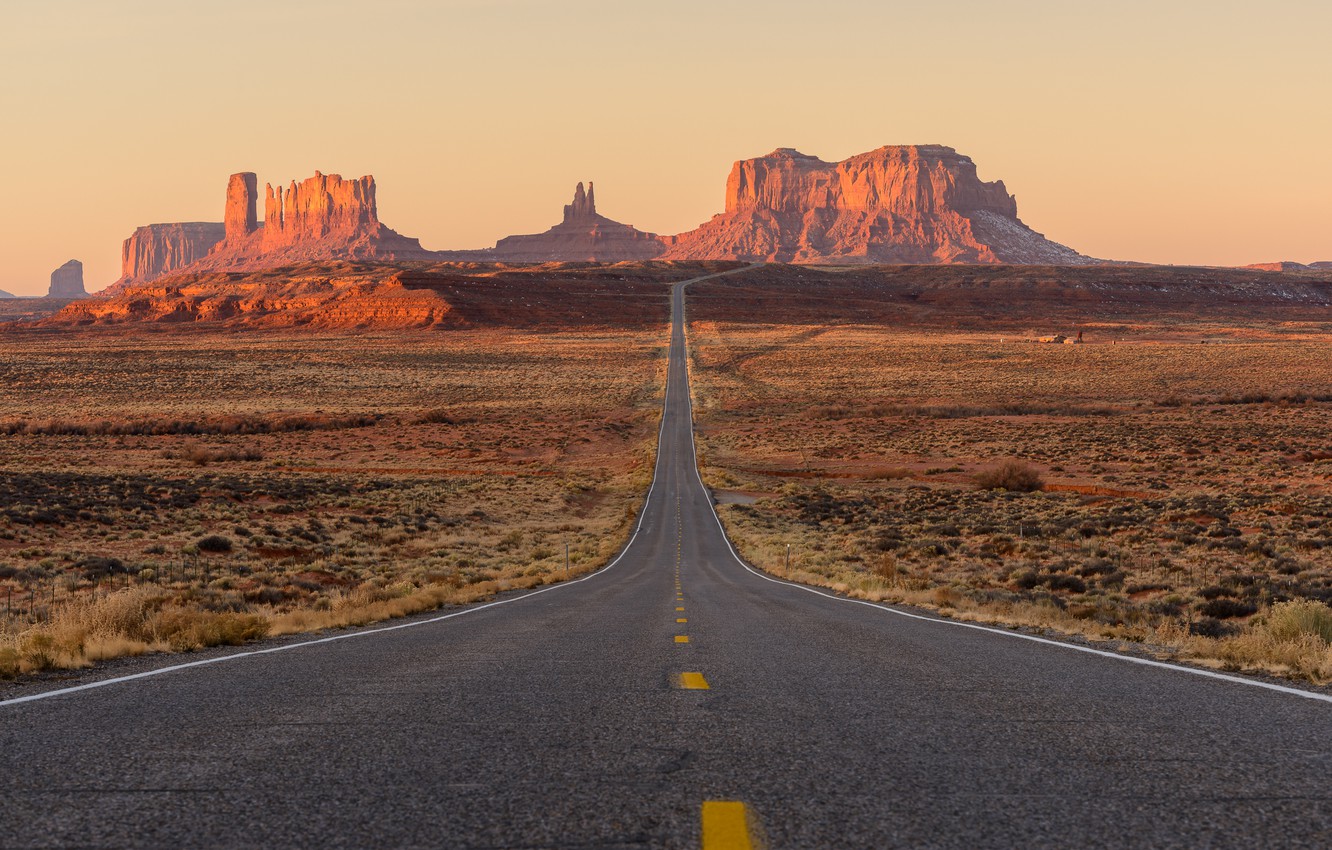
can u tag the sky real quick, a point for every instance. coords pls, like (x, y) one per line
(1167, 131)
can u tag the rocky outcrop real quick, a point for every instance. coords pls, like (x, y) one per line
(1285, 266)
(67, 281)
(4, 294)
(241, 216)
(320, 207)
(320, 219)
(583, 236)
(897, 204)
(379, 295)
(158, 249)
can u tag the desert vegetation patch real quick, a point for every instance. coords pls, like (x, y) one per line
(1159, 491)
(193, 489)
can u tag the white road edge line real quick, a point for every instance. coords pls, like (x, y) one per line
(1131, 659)
(251, 653)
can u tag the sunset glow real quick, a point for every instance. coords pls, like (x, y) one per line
(1185, 132)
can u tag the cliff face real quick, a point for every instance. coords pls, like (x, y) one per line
(904, 204)
(157, 249)
(317, 208)
(583, 236)
(67, 281)
(240, 216)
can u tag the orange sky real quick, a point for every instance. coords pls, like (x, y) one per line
(1168, 131)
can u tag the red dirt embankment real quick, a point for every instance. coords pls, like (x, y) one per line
(394, 296)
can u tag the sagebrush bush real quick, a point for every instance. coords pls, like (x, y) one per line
(1014, 475)
(214, 543)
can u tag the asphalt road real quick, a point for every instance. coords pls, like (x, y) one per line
(559, 719)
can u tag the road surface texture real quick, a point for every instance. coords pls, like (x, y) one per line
(675, 699)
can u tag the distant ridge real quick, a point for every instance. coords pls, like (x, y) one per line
(897, 204)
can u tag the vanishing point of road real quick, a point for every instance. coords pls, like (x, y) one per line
(675, 699)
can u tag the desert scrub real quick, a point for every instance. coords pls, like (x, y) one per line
(886, 460)
(1011, 475)
(363, 477)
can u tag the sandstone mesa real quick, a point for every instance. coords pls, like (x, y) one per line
(322, 218)
(897, 204)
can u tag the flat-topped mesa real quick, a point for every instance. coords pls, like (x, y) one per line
(896, 204)
(583, 236)
(319, 207)
(907, 180)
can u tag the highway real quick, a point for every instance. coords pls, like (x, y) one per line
(675, 699)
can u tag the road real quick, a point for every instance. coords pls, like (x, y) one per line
(563, 719)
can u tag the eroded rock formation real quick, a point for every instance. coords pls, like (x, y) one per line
(158, 249)
(67, 281)
(321, 218)
(897, 204)
(241, 217)
(583, 236)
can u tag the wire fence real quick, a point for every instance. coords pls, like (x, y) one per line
(27, 601)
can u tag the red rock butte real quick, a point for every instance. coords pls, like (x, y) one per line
(318, 219)
(897, 204)
(583, 236)
(323, 217)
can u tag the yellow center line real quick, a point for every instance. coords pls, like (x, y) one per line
(681, 620)
(679, 608)
(730, 825)
(692, 682)
(682, 639)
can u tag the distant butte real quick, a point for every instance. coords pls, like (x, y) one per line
(897, 204)
(319, 219)
(322, 218)
(583, 236)
(67, 281)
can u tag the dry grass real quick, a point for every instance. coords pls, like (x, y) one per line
(354, 478)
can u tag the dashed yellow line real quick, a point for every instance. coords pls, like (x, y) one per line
(682, 638)
(681, 620)
(693, 682)
(678, 608)
(730, 825)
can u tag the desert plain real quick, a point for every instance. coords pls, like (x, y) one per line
(895, 433)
